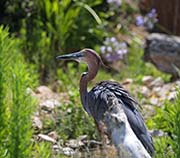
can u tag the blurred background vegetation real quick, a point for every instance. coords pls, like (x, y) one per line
(33, 33)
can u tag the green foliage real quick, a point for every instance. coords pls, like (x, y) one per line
(21, 110)
(42, 149)
(65, 76)
(167, 119)
(45, 29)
(72, 120)
(163, 148)
(57, 27)
(72, 111)
(16, 104)
(5, 47)
(59, 18)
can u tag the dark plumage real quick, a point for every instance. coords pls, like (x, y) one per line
(107, 102)
(97, 103)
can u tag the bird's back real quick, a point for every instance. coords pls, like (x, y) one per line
(120, 132)
(97, 105)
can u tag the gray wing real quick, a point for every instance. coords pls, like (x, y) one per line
(98, 104)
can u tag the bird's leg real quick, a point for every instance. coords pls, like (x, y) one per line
(103, 130)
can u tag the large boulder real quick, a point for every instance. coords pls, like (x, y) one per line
(164, 52)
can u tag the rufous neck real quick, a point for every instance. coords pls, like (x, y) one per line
(93, 67)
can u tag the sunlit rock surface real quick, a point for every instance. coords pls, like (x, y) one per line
(164, 52)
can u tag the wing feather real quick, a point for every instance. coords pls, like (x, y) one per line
(98, 105)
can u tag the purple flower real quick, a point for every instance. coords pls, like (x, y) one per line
(123, 44)
(115, 2)
(109, 1)
(153, 10)
(139, 20)
(113, 50)
(103, 49)
(113, 39)
(119, 52)
(124, 51)
(152, 13)
(120, 56)
(148, 20)
(109, 49)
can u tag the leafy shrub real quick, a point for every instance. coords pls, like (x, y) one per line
(42, 149)
(167, 119)
(73, 121)
(17, 105)
(72, 111)
(58, 27)
(5, 47)
(21, 110)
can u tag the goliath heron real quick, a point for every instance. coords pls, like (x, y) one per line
(114, 111)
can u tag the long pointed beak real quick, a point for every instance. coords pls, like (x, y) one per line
(72, 56)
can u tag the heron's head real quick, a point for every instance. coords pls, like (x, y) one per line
(86, 55)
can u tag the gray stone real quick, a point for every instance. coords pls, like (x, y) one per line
(158, 82)
(74, 143)
(49, 105)
(154, 101)
(43, 90)
(37, 123)
(164, 52)
(68, 151)
(157, 133)
(145, 91)
(172, 95)
(46, 138)
(146, 80)
(53, 134)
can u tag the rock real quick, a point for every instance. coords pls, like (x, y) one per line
(53, 135)
(177, 84)
(46, 138)
(145, 91)
(56, 148)
(154, 101)
(92, 143)
(74, 143)
(37, 123)
(45, 93)
(43, 90)
(82, 137)
(157, 82)
(157, 133)
(146, 80)
(157, 91)
(49, 105)
(172, 95)
(163, 91)
(164, 52)
(127, 81)
(68, 151)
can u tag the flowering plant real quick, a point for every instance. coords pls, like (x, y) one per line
(113, 50)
